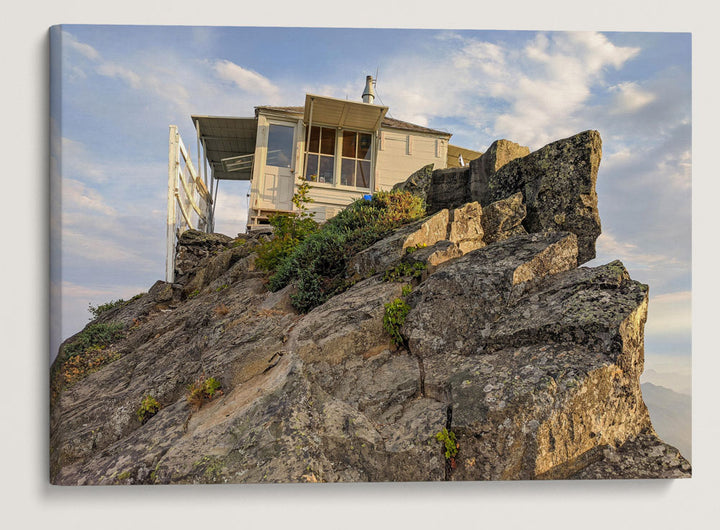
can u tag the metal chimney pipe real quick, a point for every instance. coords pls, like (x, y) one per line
(368, 95)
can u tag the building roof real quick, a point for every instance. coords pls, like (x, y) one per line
(387, 123)
(226, 137)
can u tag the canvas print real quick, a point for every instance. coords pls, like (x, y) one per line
(368, 255)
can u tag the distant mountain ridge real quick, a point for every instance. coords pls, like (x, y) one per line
(671, 415)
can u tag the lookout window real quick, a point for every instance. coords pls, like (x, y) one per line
(280, 145)
(353, 165)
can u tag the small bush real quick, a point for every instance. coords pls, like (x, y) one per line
(394, 318)
(96, 311)
(406, 289)
(93, 336)
(86, 354)
(149, 406)
(289, 230)
(449, 441)
(202, 391)
(404, 270)
(410, 250)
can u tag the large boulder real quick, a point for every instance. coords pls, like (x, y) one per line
(503, 218)
(483, 168)
(558, 185)
(443, 236)
(418, 183)
(449, 188)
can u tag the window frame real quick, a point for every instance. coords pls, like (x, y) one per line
(293, 142)
(338, 157)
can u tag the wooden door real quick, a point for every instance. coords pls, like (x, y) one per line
(278, 183)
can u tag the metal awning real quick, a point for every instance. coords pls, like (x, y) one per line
(335, 112)
(227, 139)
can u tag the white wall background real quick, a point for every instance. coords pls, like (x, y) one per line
(27, 498)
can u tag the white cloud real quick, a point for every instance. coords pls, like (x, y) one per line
(670, 314)
(678, 168)
(76, 195)
(76, 162)
(618, 158)
(629, 97)
(110, 69)
(245, 79)
(550, 88)
(632, 255)
(100, 250)
(83, 49)
(596, 50)
(74, 290)
(231, 210)
(543, 88)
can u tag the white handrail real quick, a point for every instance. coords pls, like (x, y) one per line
(183, 191)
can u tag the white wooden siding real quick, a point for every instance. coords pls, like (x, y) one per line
(403, 153)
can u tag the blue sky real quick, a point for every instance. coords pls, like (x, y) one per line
(121, 86)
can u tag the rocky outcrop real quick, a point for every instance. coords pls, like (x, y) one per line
(417, 183)
(557, 183)
(445, 235)
(530, 362)
(558, 186)
(483, 168)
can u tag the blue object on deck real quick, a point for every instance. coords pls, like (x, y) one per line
(367, 197)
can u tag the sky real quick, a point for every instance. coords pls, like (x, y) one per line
(116, 89)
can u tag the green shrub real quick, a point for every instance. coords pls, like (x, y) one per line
(449, 441)
(149, 406)
(86, 354)
(394, 318)
(318, 263)
(203, 390)
(289, 230)
(96, 311)
(94, 335)
(404, 270)
(406, 289)
(410, 250)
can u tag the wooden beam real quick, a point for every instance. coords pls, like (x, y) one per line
(343, 116)
(183, 211)
(189, 194)
(171, 214)
(197, 126)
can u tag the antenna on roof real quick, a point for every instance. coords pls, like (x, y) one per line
(377, 71)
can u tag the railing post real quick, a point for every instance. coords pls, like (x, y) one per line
(171, 213)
